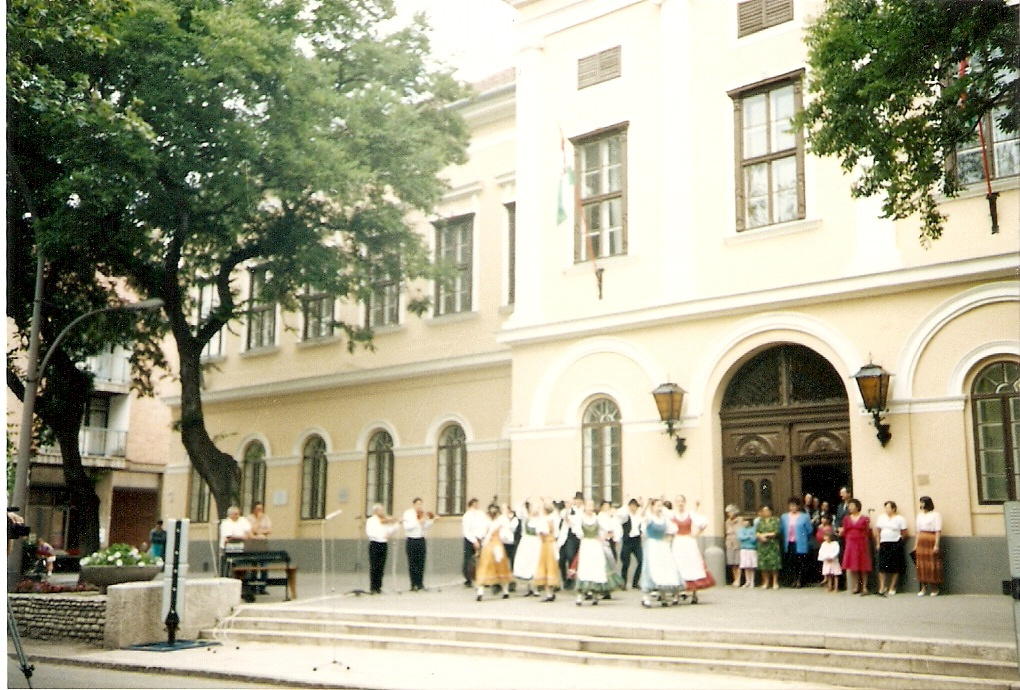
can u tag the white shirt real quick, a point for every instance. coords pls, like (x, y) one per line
(890, 528)
(236, 529)
(609, 526)
(507, 532)
(828, 551)
(377, 531)
(929, 522)
(475, 525)
(624, 514)
(413, 527)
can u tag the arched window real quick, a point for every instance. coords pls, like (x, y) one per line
(253, 475)
(601, 434)
(379, 478)
(199, 498)
(995, 397)
(313, 479)
(452, 482)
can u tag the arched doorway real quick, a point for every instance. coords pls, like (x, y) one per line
(785, 429)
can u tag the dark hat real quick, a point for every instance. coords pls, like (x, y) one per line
(633, 502)
(578, 494)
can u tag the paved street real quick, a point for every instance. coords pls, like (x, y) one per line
(48, 675)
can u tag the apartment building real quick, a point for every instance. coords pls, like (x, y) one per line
(701, 246)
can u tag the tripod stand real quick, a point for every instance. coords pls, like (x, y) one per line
(12, 631)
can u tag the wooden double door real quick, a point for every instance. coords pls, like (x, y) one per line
(769, 457)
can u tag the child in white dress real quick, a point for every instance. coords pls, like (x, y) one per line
(828, 554)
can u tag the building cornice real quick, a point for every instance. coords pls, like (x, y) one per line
(1002, 266)
(446, 365)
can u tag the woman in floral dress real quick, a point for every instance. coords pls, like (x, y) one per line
(769, 557)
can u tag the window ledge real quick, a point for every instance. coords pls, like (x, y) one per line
(585, 267)
(452, 318)
(506, 309)
(387, 329)
(777, 230)
(213, 359)
(260, 351)
(318, 342)
(978, 189)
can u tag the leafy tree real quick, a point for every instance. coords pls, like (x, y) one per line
(889, 98)
(290, 135)
(52, 117)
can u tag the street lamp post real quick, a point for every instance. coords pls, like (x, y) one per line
(34, 374)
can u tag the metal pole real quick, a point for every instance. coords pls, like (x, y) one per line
(20, 495)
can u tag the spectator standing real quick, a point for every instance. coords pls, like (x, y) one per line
(890, 531)
(261, 525)
(748, 552)
(796, 532)
(927, 548)
(732, 525)
(856, 532)
(157, 540)
(769, 556)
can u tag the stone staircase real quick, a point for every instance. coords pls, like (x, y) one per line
(833, 660)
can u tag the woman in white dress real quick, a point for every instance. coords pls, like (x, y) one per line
(593, 569)
(658, 570)
(690, 564)
(526, 559)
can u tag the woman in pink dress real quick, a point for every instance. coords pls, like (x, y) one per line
(856, 533)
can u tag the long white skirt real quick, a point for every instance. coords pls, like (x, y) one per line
(659, 569)
(591, 562)
(687, 557)
(526, 558)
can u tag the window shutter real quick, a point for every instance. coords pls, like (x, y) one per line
(750, 17)
(599, 67)
(756, 15)
(778, 12)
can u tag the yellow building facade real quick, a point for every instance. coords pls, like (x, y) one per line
(702, 245)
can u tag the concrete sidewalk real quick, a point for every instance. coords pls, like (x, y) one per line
(978, 618)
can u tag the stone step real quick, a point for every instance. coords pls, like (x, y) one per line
(760, 652)
(832, 673)
(790, 639)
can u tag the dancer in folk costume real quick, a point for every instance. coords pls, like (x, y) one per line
(690, 564)
(611, 533)
(658, 571)
(530, 546)
(547, 571)
(592, 566)
(493, 564)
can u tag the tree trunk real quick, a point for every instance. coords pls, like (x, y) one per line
(83, 526)
(219, 469)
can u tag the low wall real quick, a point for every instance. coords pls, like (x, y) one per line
(133, 610)
(127, 614)
(77, 617)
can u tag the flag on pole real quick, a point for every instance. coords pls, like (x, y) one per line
(565, 197)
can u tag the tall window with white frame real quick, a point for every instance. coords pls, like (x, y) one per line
(454, 254)
(261, 312)
(452, 484)
(253, 475)
(317, 312)
(383, 308)
(601, 467)
(769, 152)
(995, 397)
(199, 498)
(379, 476)
(209, 299)
(600, 229)
(1001, 151)
(313, 479)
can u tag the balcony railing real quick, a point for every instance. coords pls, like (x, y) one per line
(110, 367)
(103, 443)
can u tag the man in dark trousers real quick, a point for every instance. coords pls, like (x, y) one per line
(571, 542)
(631, 544)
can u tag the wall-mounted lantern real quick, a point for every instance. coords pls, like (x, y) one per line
(669, 398)
(873, 381)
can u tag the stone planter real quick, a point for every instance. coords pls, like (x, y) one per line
(102, 576)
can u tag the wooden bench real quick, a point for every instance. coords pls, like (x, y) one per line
(249, 577)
